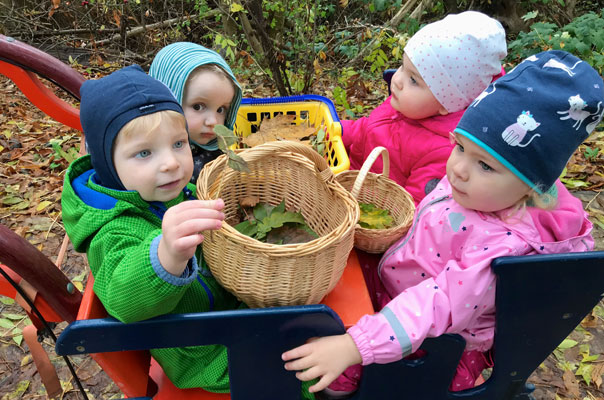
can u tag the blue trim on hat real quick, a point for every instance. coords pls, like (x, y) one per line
(499, 158)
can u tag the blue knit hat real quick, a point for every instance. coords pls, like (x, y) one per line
(174, 63)
(110, 103)
(533, 118)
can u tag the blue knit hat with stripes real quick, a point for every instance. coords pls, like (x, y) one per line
(534, 118)
(174, 64)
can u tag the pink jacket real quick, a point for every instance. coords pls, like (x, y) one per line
(439, 274)
(418, 149)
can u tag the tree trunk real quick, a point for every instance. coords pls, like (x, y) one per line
(276, 61)
(508, 12)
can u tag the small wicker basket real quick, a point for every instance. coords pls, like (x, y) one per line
(262, 274)
(383, 192)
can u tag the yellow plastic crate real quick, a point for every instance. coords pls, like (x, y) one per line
(319, 111)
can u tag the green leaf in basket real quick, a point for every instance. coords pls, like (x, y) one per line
(226, 137)
(236, 162)
(248, 228)
(277, 219)
(262, 210)
(373, 217)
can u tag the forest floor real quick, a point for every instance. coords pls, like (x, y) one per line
(34, 152)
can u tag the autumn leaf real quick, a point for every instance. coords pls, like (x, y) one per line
(236, 162)
(570, 383)
(373, 217)
(280, 127)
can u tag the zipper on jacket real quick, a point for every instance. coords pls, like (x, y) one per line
(208, 292)
(391, 251)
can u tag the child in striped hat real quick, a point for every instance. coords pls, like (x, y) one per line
(208, 91)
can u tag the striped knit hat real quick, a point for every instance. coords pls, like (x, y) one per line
(174, 63)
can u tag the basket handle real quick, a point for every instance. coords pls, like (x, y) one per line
(375, 153)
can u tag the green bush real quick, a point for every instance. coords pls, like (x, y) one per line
(582, 37)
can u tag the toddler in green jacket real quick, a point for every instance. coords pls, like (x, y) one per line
(129, 206)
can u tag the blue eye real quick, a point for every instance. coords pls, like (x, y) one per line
(460, 147)
(485, 166)
(179, 145)
(413, 81)
(143, 154)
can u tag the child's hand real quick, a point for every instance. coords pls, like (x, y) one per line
(181, 229)
(325, 357)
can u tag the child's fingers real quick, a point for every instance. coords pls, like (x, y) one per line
(309, 374)
(322, 384)
(300, 351)
(192, 227)
(299, 364)
(187, 242)
(217, 204)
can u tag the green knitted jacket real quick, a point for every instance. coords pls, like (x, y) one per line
(119, 232)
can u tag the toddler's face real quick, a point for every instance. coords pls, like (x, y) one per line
(479, 181)
(410, 94)
(157, 164)
(207, 99)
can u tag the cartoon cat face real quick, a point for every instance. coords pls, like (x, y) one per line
(576, 103)
(527, 121)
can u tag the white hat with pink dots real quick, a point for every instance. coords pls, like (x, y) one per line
(458, 56)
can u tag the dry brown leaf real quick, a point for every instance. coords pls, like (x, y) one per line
(280, 127)
(249, 201)
(570, 382)
(596, 374)
(591, 321)
(117, 18)
(55, 5)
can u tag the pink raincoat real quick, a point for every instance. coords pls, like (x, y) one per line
(418, 149)
(439, 275)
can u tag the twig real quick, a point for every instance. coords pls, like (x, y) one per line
(590, 201)
(392, 23)
(141, 29)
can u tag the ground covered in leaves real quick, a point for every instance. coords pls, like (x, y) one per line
(34, 152)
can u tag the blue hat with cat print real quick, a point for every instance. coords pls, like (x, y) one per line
(533, 118)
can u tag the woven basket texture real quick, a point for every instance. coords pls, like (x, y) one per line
(383, 192)
(262, 274)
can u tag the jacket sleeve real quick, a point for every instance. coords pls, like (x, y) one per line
(449, 302)
(352, 131)
(129, 282)
(427, 172)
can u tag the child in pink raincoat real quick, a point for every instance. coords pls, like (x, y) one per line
(445, 66)
(500, 197)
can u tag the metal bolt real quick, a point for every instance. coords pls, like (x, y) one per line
(81, 349)
(70, 288)
(10, 39)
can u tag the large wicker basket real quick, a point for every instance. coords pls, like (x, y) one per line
(383, 192)
(262, 274)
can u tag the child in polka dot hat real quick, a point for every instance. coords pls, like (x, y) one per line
(446, 64)
(511, 145)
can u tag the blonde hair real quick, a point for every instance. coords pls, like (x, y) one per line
(217, 69)
(148, 123)
(545, 201)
